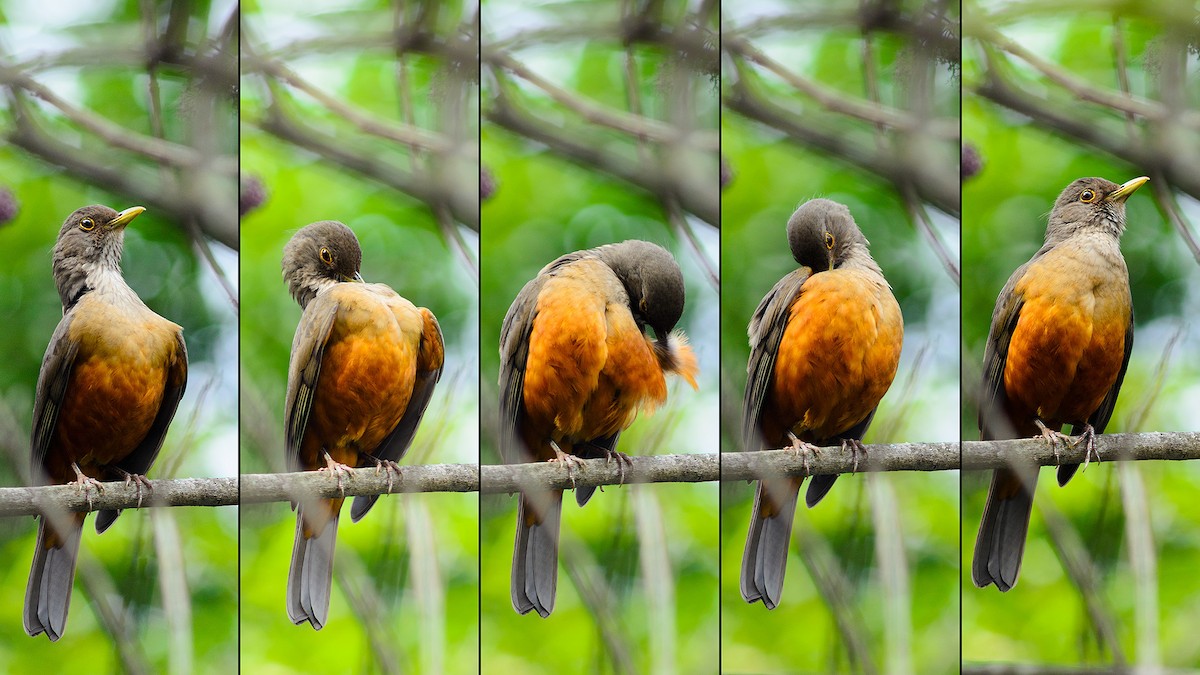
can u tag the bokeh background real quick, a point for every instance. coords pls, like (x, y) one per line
(124, 104)
(600, 125)
(1046, 92)
(859, 106)
(364, 112)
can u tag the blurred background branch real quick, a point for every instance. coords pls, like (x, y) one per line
(898, 134)
(654, 137)
(199, 171)
(1156, 131)
(433, 160)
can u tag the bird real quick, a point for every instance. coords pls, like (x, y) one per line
(109, 386)
(363, 368)
(825, 344)
(1056, 353)
(576, 367)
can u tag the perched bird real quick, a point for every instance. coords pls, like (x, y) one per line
(109, 385)
(575, 368)
(1056, 354)
(824, 347)
(363, 367)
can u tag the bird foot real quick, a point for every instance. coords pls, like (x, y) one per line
(1056, 439)
(392, 469)
(623, 460)
(139, 481)
(1088, 438)
(803, 449)
(86, 484)
(570, 461)
(855, 447)
(337, 469)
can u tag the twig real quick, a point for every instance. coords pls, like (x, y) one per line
(875, 113)
(639, 127)
(1121, 102)
(703, 201)
(920, 217)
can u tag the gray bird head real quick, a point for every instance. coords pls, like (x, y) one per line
(653, 281)
(88, 248)
(823, 236)
(319, 255)
(1091, 204)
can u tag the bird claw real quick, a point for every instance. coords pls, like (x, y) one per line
(138, 480)
(803, 449)
(623, 460)
(391, 468)
(569, 461)
(1056, 439)
(85, 484)
(856, 447)
(337, 469)
(1088, 438)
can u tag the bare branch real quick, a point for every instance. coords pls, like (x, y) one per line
(507, 478)
(29, 501)
(1176, 446)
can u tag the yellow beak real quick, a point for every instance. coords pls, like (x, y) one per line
(125, 216)
(1122, 193)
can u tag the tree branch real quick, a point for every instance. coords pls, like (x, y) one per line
(979, 455)
(679, 468)
(30, 501)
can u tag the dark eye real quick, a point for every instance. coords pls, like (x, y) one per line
(1087, 196)
(829, 241)
(87, 224)
(326, 256)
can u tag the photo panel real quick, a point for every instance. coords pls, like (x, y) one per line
(1079, 294)
(359, 152)
(599, 334)
(118, 176)
(839, 323)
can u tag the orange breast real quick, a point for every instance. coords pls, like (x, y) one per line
(115, 389)
(367, 377)
(1069, 342)
(589, 368)
(837, 358)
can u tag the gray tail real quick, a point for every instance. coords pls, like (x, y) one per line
(48, 595)
(1001, 540)
(535, 554)
(310, 579)
(764, 560)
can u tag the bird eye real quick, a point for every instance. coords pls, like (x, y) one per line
(829, 241)
(326, 256)
(87, 224)
(1087, 196)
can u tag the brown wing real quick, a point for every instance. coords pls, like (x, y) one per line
(57, 365)
(308, 348)
(766, 332)
(993, 400)
(430, 359)
(514, 354)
